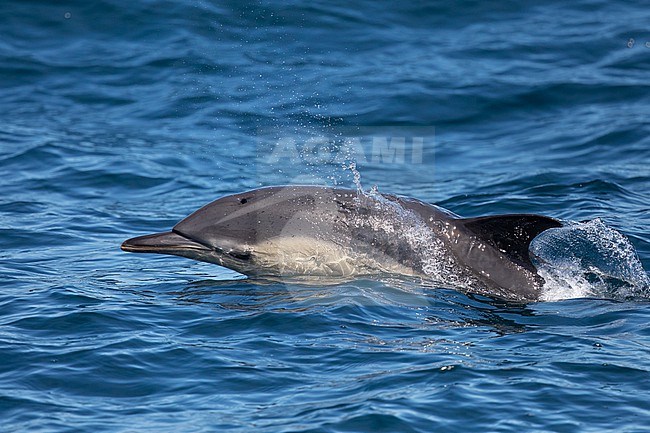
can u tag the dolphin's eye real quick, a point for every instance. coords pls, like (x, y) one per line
(243, 201)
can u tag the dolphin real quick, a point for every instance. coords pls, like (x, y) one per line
(316, 232)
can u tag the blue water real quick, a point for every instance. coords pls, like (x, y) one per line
(120, 118)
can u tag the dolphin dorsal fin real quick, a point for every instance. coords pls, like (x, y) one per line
(511, 234)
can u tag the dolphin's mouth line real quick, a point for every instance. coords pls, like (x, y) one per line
(198, 243)
(240, 255)
(176, 243)
(162, 243)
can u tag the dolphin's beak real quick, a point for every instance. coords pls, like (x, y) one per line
(162, 243)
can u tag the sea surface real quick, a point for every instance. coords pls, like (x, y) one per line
(119, 118)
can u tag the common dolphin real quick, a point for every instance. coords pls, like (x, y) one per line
(319, 231)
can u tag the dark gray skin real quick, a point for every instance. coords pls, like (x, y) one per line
(310, 230)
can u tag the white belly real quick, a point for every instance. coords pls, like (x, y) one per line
(295, 255)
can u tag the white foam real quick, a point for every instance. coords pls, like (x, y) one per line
(589, 259)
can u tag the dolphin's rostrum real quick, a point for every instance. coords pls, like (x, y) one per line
(318, 231)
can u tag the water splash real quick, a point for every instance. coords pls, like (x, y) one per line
(356, 176)
(589, 259)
